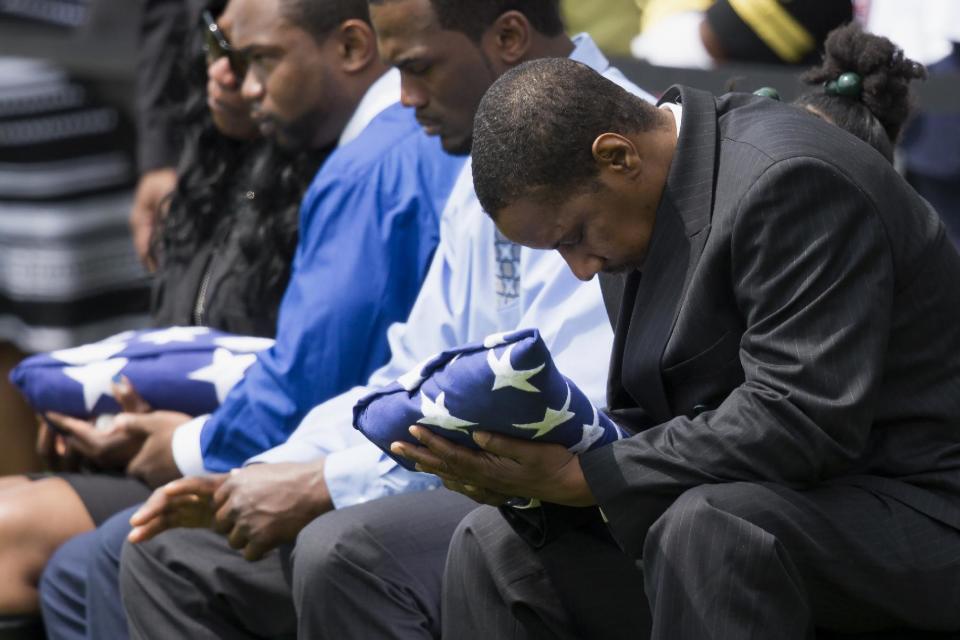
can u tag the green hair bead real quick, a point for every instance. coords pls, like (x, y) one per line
(849, 85)
(767, 92)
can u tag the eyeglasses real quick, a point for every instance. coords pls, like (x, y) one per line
(217, 46)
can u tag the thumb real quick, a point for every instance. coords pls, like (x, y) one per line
(127, 397)
(134, 423)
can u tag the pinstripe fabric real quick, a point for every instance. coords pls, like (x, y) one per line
(790, 363)
(815, 333)
(494, 587)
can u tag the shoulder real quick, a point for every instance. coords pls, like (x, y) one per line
(392, 147)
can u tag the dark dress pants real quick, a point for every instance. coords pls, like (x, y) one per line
(375, 570)
(368, 571)
(736, 561)
(189, 583)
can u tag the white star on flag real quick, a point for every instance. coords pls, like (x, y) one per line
(243, 343)
(435, 413)
(125, 336)
(96, 379)
(507, 376)
(495, 339)
(88, 353)
(414, 378)
(591, 433)
(225, 371)
(174, 334)
(552, 419)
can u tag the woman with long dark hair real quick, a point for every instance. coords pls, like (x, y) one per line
(223, 250)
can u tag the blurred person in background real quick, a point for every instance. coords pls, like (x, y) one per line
(161, 89)
(931, 142)
(704, 34)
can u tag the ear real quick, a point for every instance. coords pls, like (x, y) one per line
(617, 153)
(507, 40)
(356, 46)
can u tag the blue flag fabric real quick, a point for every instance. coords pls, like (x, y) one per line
(186, 369)
(506, 384)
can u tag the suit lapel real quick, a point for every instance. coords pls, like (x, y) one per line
(680, 231)
(619, 294)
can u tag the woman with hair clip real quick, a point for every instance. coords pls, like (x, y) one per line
(223, 250)
(863, 87)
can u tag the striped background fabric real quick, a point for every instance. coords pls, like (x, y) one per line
(508, 383)
(68, 270)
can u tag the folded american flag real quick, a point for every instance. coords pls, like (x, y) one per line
(506, 384)
(187, 369)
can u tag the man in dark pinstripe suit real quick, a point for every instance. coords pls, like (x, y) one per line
(787, 353)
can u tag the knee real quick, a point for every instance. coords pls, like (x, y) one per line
(476, 526)
(24, 548)
(323, 541)
(697, 517)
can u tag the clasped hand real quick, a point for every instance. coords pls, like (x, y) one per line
(138, 442)
(504, 468)
(257, 507)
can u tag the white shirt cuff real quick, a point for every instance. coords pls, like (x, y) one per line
(363, 473)
(289, 451)
(186, 447)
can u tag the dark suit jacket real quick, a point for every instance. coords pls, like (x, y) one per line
(797, 321)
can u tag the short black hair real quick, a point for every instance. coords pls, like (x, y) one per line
(320, 17)
(878, 115)
(473, 17)
(534, 130)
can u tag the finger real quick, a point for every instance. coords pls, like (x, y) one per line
(168, 497)
(505, 446)
(46, 443)
(82, 435)
(224, 518)
(145, 424)
(204, 486)
(421, 456)
(150, 529)
(256, 549)
(455, 459)
(151, 509)
(180, 511)
(75, 427)
(225, 487)
(127, 397)
(238, 538)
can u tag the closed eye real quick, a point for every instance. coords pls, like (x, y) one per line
(571, 240)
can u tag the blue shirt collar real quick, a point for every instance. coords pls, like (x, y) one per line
(587, 52)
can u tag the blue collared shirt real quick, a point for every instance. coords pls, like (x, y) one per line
(368, 230)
